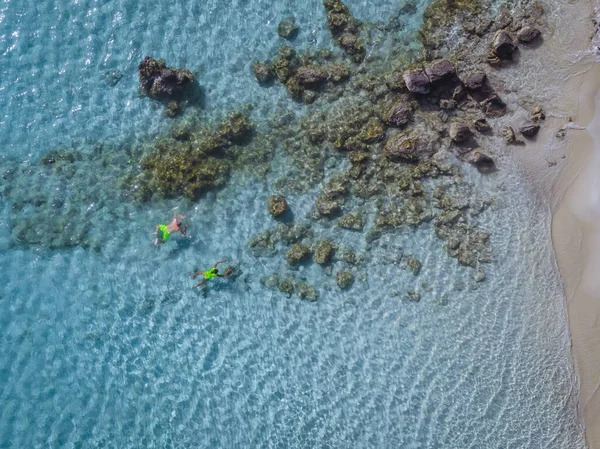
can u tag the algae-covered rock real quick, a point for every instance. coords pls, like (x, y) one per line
(398, 114)
(406, 148)
(327, 206)
(344, 279)
(297, 254)
(413, 296)
(353, 222)
(276, 205)
(173, 109)
(311, 76)
(323, 252)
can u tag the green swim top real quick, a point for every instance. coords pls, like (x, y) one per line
(209, 274)
(163, 232)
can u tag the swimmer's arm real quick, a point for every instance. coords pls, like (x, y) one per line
(219, 262)
(178, 215)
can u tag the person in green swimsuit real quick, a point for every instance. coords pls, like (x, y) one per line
(211, 273)
(163, 232)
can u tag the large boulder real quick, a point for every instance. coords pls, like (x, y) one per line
(440, 70)
(503, 45)
(159, 81)
(483, 162)
(459, 133)
(417, 81)
(475, 80)
(528, 34)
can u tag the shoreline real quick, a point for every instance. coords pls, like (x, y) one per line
(575, 238)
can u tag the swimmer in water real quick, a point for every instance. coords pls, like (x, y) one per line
(163, 232)
(211, 273)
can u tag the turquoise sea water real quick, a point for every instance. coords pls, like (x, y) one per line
(113, 349)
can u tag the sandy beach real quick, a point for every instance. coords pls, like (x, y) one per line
(576, 239)
(575, 199)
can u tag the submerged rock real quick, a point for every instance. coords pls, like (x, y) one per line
(327, 206)
(414, 265)
(344, 279)
(262, 72)
(482, 125)
(159, 81)
(323, 252)
(276, 205)
(287, 28)
(297, 254)
(353, 222)
(311, 75)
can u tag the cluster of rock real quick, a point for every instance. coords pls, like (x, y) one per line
(304, 76)
(345, 29)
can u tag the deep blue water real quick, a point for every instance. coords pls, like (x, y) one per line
(113, 349)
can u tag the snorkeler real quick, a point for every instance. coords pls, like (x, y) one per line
(211, 273)
(163, 232)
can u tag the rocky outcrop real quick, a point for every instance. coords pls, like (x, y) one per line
(159, 81)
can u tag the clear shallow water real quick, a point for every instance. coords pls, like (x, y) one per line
(113, 349)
